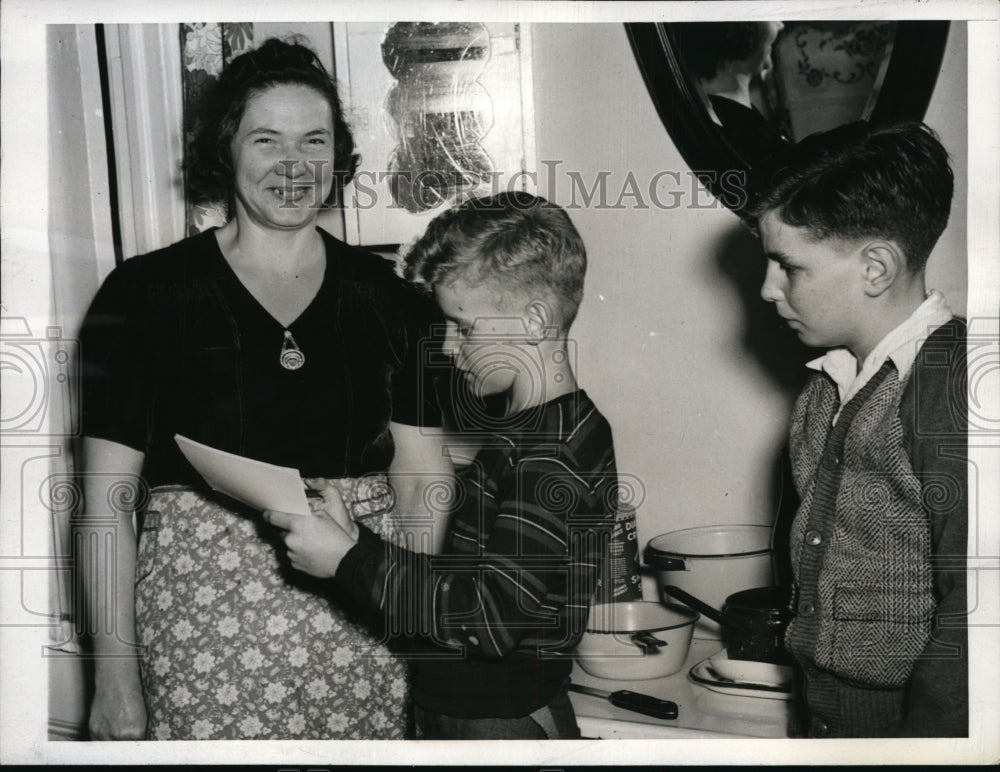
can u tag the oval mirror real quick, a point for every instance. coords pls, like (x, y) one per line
(730, 92)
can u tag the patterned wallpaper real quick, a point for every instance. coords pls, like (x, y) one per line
(827, 73)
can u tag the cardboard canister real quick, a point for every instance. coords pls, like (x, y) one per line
(618, 578)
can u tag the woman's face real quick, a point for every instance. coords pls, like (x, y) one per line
(770, 32)
(283, 157)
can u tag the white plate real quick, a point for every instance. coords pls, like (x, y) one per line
(706, 675)
(750, 671)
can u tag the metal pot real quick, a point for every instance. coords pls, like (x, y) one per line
(636, 640)
(754, 622)
(712, 563)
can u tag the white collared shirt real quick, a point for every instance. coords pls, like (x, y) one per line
(900, 345)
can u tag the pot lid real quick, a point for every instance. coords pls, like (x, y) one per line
(716, 541)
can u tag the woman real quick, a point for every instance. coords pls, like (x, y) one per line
(267, 338)
(728, 58)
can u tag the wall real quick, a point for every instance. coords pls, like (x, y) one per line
(947, 114)
(674, 344)
(81, 252)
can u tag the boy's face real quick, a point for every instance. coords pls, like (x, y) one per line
(815, 285)
(488, 344)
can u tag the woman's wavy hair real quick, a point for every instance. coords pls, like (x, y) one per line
(208, 164)
(705, 45)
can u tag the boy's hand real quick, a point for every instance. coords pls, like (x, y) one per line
(316, 543)
(326, 500)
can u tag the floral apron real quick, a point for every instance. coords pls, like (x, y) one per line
(239, 645)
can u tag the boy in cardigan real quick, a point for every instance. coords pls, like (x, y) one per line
(496, 612)
(847, 219)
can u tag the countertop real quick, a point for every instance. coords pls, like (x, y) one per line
(701, 711)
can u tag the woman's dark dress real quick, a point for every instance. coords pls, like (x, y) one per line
(238, 644)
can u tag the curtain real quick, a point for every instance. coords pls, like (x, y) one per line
(206, 49)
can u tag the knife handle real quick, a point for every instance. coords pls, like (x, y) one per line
(643, 703)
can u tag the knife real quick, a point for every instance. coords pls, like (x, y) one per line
(634, 701)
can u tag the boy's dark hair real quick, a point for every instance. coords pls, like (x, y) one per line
(208, 164)
(704, 45)
(510, 241)
(857, 182)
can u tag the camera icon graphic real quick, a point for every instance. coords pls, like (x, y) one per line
(33, 369)
(964, 371)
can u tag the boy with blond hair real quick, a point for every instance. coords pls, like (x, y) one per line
(498, 611)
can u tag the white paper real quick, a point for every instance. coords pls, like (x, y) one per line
(255, 483)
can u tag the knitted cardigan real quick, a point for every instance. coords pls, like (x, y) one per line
(878, 549)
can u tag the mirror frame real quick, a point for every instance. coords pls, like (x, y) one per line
(917, 52)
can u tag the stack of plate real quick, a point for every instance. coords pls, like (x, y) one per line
(743, 677)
